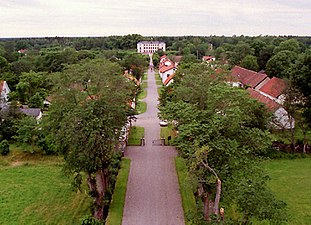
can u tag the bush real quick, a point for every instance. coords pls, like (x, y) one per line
(4, 147)
(89, 220)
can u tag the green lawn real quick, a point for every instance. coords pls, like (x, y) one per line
(188, 199)
(118, 199)
(291, 182)
(144, 85)
(166, 132)
(34, 190)
(145, 77)
(142, 94)
(136, 133)
(158, 79)
(141, 107)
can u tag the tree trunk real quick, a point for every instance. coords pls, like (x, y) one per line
(206, 208)
(304, 141)
(97, 195)
(217, 197)
(292, 129)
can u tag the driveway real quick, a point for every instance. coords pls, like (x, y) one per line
(152, 196)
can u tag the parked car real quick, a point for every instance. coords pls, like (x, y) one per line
(163, 123)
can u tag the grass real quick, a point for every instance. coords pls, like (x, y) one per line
(144, 85)
(142, 94)
(187, 196)
(118, 199)
(158, 79)
(145, 77)
(291, 183)
(34, 190)
(141, 107)
(136, 133)
(166, 132)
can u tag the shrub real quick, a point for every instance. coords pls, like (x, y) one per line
(4, 147)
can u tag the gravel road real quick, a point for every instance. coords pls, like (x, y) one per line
(152, 196)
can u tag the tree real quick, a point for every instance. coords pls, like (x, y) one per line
(31, 84)
(301, 78)
(288, 45)
(4, 147)
(135, 63)
(250, 62)
(28, 132)
(9, 120)
(89, 108)
(278, 65)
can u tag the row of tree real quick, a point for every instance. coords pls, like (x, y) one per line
(223, 135)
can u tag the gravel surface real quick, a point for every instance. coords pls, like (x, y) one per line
(152, 196)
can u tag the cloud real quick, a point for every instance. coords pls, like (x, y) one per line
(149, 17)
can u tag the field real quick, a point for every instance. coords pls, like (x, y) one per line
(34, 190)
(290, 181)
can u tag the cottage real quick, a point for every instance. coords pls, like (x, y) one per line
(281, 118)
(169, 80)
(166, 68)
(34, 112)
(241, 77)
(274, 89)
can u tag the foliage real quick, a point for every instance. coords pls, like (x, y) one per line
(279, 64)
(33, 86)
(301, 74)
(4, 147)
(9, 120)
(85, 120)
(118, 199)
(28, 131)
(88, 220)
(250, 62)
(135, 63)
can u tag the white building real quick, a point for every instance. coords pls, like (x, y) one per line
(4, 93)
(146, 47)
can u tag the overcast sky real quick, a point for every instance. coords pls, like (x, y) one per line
(40, 18)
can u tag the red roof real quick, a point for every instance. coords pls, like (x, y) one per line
(169, 79)
(167, 68)
(274, 87)
(271, 105)
(247, 77)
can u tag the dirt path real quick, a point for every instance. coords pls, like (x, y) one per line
(152, 196)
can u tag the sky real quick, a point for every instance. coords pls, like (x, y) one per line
(42, 18)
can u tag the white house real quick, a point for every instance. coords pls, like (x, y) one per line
(166, 68)
(147, 47)
(4, 93)
(281, 118)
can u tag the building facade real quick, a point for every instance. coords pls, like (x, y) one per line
(146, 47)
